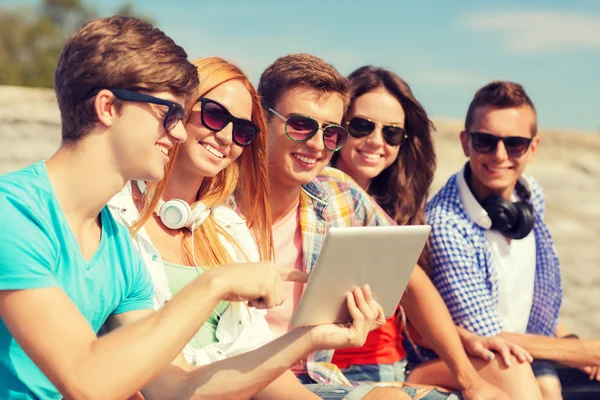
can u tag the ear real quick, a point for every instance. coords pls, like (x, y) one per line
(103, 105)
(464, 140)
(533, 147)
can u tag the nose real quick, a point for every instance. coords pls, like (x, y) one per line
(316, 142)
(178, 134)
(225, 135)
(376, 137)
(500, 152)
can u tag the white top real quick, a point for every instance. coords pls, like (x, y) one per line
(515, 262)
(240, 329)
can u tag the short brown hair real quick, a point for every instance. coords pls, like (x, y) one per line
(301, 70)
(116, 52)
(500, 94)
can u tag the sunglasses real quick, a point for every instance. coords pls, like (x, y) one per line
(301, 128)
(175, 113)
(393, 134)
(216, 117)
(485, 143)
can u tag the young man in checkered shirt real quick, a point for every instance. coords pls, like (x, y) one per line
(493, 258)
(305, 99)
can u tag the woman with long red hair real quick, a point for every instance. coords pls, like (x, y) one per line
(190, 220)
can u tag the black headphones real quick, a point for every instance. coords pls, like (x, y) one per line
(515, 220)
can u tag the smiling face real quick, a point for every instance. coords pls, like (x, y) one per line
(207, 152)
(366, 157)
(139, 140)
(293, 164)
(497, 172)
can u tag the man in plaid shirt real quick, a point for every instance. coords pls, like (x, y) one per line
(305, 99)
(493, 258)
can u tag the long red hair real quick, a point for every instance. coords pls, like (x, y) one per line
(247, 178)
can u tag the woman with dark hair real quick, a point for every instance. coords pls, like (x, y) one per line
(390, 154)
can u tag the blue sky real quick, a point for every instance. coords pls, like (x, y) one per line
(445, 50)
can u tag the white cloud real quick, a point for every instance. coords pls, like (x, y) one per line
(539, 31)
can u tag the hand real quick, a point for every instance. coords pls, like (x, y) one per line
(260, 283)
(366, 314)
(594, 373)
(483, 391)
(482, 346)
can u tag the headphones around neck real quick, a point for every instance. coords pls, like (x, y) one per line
(177, 214)
(513, 219)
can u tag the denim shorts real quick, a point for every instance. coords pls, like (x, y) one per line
(335, 392)
(377, 372)
(575, 384)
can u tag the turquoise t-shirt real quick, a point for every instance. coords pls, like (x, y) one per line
(38, 249)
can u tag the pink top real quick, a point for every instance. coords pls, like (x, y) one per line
(287, 238)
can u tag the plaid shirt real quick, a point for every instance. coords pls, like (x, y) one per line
(466, 276)
(332, 199)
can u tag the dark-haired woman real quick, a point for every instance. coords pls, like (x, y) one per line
(390, 154)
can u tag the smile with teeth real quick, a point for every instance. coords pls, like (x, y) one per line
(212, 150)
(162, 149)
(497, 169)
(370, 156)
(307, 160)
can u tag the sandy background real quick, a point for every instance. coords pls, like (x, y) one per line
(567, 165)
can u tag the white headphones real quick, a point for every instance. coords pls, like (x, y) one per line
(177, 214)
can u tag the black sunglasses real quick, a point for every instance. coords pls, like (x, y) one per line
(301, 128)
(393, 134)
(216, 117)
(485, 143)
(175, 113)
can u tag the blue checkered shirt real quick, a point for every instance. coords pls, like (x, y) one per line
(464, 272)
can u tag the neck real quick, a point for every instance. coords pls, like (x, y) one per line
(81, 187)
(363, 182)
(182, 185)
(283, 199)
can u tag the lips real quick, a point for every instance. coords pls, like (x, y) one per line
(212, 150)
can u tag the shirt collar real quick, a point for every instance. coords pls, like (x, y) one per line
(122, 203)
(472, 207)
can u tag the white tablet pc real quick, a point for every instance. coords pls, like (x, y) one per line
(381, 256)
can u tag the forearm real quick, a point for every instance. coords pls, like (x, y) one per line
(288, 387)
(428, 313)
(571, 351)
(245, 375)
(129, 357)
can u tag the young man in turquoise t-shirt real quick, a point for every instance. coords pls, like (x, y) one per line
(67, 268)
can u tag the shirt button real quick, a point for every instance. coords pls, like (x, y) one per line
(154, 257)
(123, 210)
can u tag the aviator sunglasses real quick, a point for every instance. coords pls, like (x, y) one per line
(393, 134)
(301, 128)
(175, 113)
(216, 117)
(486, 143)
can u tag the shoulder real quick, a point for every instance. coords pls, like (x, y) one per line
(336, 183)
(446, 214)
(445, 204)
(26, 196)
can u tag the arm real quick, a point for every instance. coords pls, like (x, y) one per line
(245, 375)
(286, 386)
(74, 358)
(581, 353)
(428, 313)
